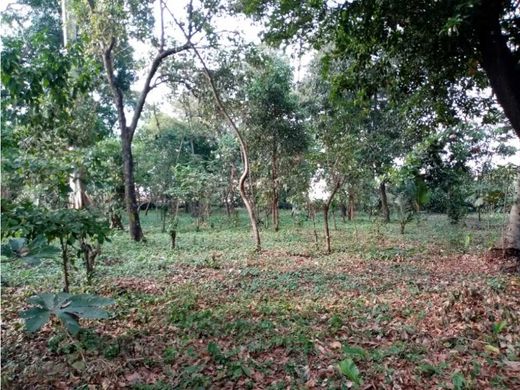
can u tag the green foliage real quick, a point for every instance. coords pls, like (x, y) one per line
(30, 252)
(27, 220)
(67, 308)
(349, 369)
(74, 229)
(498, 327)
(458, 381)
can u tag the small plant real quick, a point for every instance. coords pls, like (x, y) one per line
(458, 381)
(349, 369)
(169, 355)
(80, 234)
(32, 252)
(412, 193)
(498, 327)
(68, 308)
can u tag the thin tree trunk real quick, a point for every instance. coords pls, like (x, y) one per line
(343, 210)
(65, 264)
(351, 205)
(132, 209)
(243, 148)
(274, 177)
(326, 227)
(384, 202)
(313, 217)
(326, 208)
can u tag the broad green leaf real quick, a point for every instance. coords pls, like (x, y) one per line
(35, 318)
(69, 321)
(45, 300)
(87, 306)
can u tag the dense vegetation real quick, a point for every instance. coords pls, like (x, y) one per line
(184, 208)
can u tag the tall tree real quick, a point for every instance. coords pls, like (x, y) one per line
(275, 134)
(111, 25)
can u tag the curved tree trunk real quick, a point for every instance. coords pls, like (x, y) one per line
(243, 149)
(384, 202)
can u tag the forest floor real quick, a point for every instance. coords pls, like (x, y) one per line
(424, 310)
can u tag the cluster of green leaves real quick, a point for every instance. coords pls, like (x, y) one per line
(31, 252)
(29, 221)
(66, 307)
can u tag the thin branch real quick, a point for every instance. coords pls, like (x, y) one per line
(161, 5)
(117, 94)
(147, 85)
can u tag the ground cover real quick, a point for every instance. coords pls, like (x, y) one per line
(422, 310)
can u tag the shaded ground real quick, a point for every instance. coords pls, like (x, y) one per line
(421, 311)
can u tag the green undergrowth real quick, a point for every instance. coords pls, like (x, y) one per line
(422, 310)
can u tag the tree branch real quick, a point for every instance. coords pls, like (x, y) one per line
(147, 84)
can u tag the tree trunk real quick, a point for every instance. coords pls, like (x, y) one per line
(384, 202)
(326, 227)
(65, 264)
(504, 77)
(343, 209)
(511, 237)
(274, 204)
(243, 149)
(326, 208)
(134, 223)
(78, 198)
(173, 237)
(351, 205)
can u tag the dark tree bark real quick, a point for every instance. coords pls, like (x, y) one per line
(385, 210)
(127, 130)
(134, 223)
(65, 264)
(343, 210)
(504, 76)
(351, 205)
(326, 208)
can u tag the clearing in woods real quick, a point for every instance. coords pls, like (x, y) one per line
(423, 311)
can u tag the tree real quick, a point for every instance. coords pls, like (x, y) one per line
(111, 25)
(438, 52)
(336, 151)
(49, 115)
(275, 133)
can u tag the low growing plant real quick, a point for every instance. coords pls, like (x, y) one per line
(66, 307)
